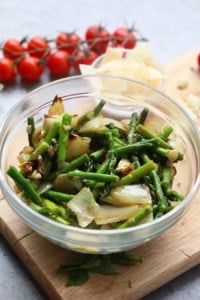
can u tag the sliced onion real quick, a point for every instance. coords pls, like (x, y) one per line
(66, 185)
(77, 146)
(57, 107)
(84, 207)
(129, 195)
(49, 120)
(99, 123)
(110, 214)
(43, 187)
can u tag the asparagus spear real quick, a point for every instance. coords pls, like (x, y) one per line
(30, 129)
(111, 153)
(173, 195)
(56, 209)
(97, 154)
(40, 209)
(165, 133)
(72, 165)
(24, 185)
(166, 176)
(47, 212)
(95, 134)
(40, 150)
(118, 142)
(133, 124)
(103, 167)
(91, 114)
(137, 146)
(51, 134)
(136, 162)
(147, 133)
(139, 216)
(57, 196)
(63, 137)
(143, 115)
(137, 174)
(107, 166)
(151, 187)
(44, 144)
(93, 176)
(161, 199)
(171, 154)
(47, 166)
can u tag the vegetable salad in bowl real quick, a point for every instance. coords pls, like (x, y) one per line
(98, 173)
(94, 171)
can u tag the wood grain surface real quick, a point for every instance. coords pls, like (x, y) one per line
(166, 257)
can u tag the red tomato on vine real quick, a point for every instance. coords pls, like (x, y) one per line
(38, 47)
(85, 57)
(30, 68)
(97, 38)
(68, 41)
(7, 70)
(58, 63)
(13, 49)
(124, 37)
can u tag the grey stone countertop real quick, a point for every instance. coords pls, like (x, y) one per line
(172, 27)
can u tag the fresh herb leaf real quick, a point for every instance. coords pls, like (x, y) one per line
(77, 277)
(105, 267)
(74, 263)
(93, 262)
(125, 258)
(78, 269)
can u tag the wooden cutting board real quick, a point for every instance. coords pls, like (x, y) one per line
(166, 257)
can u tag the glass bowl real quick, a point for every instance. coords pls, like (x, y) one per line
(81, 93)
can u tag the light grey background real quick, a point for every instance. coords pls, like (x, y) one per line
(172, 27)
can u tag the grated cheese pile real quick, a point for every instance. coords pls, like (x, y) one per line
(137, 63)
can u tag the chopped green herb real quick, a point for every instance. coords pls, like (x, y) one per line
(78, 269)
(77, 277)
(125, 258)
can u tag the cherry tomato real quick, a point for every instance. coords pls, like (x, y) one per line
(67, 41)
(198, 59)
(85, 56)
(30, 68)
(75, 60)
(123, 37)
(7, 71)
(98, 38)
(38, 47)
(13, 49)
(58, 63)
(89, 57)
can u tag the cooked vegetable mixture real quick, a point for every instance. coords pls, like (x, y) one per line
(97, 172)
